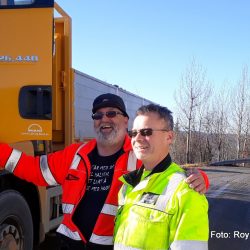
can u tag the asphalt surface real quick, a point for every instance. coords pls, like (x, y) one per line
(229, 210)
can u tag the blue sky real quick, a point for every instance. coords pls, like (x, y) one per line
(145, 46)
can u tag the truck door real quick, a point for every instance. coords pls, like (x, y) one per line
(26, 50)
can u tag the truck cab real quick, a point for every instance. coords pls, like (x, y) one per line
(36, 99)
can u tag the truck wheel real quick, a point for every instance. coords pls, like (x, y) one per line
(16, 227)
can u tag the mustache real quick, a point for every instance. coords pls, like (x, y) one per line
(106, 125)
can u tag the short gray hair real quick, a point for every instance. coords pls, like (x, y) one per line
(163, 113)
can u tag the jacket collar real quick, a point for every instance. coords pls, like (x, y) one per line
(134, 177)
(127, 144)
(88, 147)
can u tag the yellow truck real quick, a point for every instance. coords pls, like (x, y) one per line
(45, 105)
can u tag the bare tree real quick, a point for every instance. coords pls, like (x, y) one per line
(246, 127)
(246, 139)
(220, 111)
(194, 90)
(179, 144)
(240, 108)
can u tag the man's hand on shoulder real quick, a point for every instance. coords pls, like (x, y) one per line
(196, 180)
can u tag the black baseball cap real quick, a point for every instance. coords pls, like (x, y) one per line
(109, 100)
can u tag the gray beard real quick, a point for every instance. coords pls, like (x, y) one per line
(107, 139)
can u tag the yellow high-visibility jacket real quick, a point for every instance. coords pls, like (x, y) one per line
(161, 212)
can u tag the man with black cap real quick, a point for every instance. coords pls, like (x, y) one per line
(89, 176)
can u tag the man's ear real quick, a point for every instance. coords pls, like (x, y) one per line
(126, 121)
(170, 137)
(126, 118)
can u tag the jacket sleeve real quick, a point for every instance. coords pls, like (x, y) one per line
(189, 227)
(205, 177)
(42, 170)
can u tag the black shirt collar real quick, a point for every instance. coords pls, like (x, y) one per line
(134, 177)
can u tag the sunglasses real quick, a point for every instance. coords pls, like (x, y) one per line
(144, 132)
(109, 114)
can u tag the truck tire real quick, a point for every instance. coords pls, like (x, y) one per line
(16, 227)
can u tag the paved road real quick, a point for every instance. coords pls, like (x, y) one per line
(229, 209)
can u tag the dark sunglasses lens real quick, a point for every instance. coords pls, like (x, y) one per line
(111, 114)
(133, 133)
(97, 116)
(143, 132)
(146, 131)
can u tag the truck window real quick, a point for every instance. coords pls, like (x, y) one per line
(16, 2)
(23, 2)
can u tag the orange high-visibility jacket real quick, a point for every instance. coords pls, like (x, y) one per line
(71, 169)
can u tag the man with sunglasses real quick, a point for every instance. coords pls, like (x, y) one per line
(89, 176)
(157, 208)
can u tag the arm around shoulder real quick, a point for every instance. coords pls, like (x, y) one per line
(189, 226)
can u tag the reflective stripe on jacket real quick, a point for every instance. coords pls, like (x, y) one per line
(71, 169)
(161, 212)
